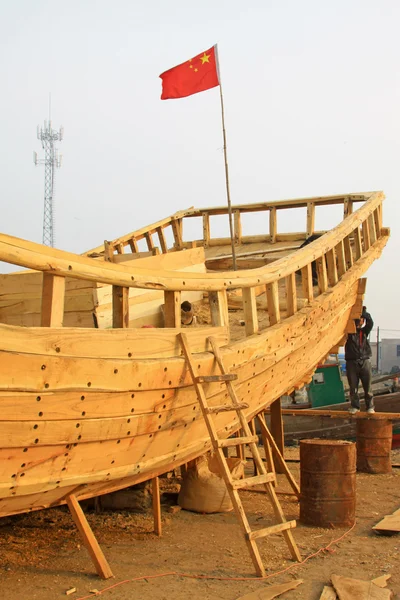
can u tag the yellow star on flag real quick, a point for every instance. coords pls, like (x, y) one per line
(205, 58)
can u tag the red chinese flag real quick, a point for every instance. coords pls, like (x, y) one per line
(195, 75)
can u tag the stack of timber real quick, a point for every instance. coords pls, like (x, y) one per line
(85, 411)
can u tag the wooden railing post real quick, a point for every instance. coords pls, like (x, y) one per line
(218, 308)
(53, 296)
(206, 228)
(365, 235)
(172, 309)
(331, 267)
(347, 207)
(378, 221)
(322, 274)
(348, 252)
(250, 310)
(273, 309)
(341, 259)
(133, 245)
(307, 282)
(310, 218)
(237, 222)
(162, 240)
(357, 243)
(372, 230)
(120, 306)
(291, 294)
(176, 225)
(273, 225)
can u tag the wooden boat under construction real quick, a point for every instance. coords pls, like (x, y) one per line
(92, 402)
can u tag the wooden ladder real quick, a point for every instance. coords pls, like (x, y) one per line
(233, 486)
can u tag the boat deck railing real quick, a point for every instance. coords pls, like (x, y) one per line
(326, 259)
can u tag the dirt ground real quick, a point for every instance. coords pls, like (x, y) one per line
(41, 554)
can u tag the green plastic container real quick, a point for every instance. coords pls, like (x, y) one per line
(326, 386)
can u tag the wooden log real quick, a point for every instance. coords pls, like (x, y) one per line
(250, 310)
(87, 535)
(53, 297)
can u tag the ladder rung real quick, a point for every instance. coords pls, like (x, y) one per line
(259, 533)
(214, 378)
(239, 441)
(227, 407)
(251, 481)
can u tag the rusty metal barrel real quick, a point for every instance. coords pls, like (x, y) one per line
(327, 483)
(374, 445)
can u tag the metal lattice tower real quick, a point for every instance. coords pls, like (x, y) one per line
(51, 161)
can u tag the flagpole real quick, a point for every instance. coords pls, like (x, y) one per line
(228, 195)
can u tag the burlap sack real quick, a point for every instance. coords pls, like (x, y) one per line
(203, 489)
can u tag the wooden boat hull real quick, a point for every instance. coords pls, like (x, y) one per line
(91, 425)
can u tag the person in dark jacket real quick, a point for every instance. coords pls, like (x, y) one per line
(358, 364)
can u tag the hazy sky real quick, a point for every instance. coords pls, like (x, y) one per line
(312, 100)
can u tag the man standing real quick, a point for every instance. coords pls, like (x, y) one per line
(358, 364)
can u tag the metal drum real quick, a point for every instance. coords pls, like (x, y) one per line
(374, 446)
(327, 483)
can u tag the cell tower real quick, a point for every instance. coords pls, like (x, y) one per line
(51, 161)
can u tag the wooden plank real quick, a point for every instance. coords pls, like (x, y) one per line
(328, 593)
(53, 297)
(156, 506)
(382, 580)
(120, 306)
(172, 309)
(357, 589)
(322, 274)
(307, 282)
(331, 267)
(310, 218)
(272, 591)
(365, 235)
(250, 311)
(273, 227)
(273, 303)
(340, 414)
(237, 224)
(87, 535)
(291, 295)
(341, 259)
(390, 523)
(206, 229)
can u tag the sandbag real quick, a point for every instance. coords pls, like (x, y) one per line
(203, 489)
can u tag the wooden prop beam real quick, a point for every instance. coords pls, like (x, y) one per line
(277, 431)
(88, 537)
(337, 414)
(156, 506)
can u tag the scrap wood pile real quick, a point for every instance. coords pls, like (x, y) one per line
(343, 588)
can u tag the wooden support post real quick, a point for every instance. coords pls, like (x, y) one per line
(172, 309)
(120, 248)
(291, 294)
(108, 251)
(162, 240)
(348, 252)
(218, 308)
(307, 282)
(250, 310)
(310, 218)
(365, 235)
(322, 275)
(331, 267)
(277, 431)
(357, 243)
(279, 456)
(87, 535)
(273, 227)
(378, 222)
(267, 449)
(237, 224)
(156, 506)
(120, 306)
(273, 303)
(206, 228)
(53, 295)
(341, 259)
